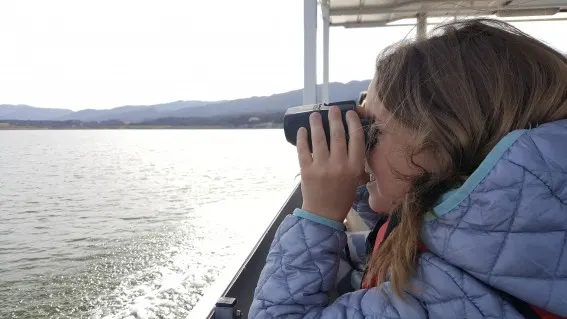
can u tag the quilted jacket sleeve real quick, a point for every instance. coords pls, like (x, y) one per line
(300, 272)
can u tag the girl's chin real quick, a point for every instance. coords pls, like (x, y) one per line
(376, 203)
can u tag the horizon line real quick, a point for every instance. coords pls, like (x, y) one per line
(206, 102)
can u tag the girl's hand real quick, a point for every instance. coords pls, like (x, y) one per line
(329, 178)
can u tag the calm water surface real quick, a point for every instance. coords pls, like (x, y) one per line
(130, 224)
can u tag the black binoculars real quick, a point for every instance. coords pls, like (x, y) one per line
(298, 116)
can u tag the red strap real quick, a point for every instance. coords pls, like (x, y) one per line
(381, 234)
(366, 282)
(544, 314)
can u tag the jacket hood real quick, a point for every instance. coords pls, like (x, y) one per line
(507, 224)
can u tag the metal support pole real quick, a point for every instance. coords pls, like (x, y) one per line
(326, 29)
(309, 51)
(421, 25)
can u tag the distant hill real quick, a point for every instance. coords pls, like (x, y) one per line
(26, 112)
(132, 113)
(273, 103)
(129, 113)
(276, 103)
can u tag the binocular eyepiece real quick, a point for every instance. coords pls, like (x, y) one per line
(298, 116)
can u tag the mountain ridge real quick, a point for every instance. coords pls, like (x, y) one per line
(275, 103)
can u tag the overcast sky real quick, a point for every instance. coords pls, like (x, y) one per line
(106, 53)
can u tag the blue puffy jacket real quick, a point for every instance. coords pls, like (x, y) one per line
(503, 230)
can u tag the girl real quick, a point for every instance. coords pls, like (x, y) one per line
(470, 163)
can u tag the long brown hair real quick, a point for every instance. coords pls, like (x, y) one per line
(461, 90)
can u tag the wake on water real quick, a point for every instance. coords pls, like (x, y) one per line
(203, 245)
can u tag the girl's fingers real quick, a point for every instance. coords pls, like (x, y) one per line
(356, 147)
(337, 132)
(303, 152)
(318, 139)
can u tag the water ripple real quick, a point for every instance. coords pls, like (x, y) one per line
(129, 224)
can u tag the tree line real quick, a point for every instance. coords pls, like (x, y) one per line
(233, 121)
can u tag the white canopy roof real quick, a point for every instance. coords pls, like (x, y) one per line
(358, 13)
(381, 13)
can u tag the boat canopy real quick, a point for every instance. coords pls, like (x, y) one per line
(385, 13)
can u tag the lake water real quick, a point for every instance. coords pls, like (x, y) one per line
(130, 224)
